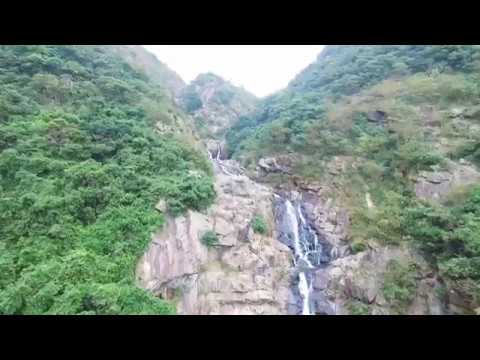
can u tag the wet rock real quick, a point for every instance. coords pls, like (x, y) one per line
(320, 281)
(321, 305)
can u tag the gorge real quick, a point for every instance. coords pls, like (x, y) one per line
(353, 191)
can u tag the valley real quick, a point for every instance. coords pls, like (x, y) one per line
(353, 191)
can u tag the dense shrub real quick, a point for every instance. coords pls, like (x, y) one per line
(81, 169)
(399, 285)
(258, 225)
(358, 308)
(209, 239)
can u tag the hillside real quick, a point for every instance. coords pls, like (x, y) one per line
(88, 145)
(389, 134)
(140, 59)
(355, 190)
(215, 104)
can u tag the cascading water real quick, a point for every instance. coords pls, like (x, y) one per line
(219, 162)
(309, 255)
(300, 254)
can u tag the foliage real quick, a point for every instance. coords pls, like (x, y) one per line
(358, 246)
(346, 69)
(81, 170)
(192, 101)
(209, 239)
(358, 308)
(258, 225)
(399, 285)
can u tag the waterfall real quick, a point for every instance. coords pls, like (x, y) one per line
(309, 255)
(306, 250)
(217, 160)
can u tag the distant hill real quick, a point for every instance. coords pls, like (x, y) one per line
(139, 58)
(215, 104)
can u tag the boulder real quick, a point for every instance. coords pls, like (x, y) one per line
(377, 116)
(161, 206)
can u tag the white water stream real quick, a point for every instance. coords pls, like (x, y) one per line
(303, 286)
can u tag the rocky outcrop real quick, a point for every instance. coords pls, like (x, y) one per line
(378, 117)
(220, 104)
(472, 112)
(246, 273)
(360, 278)
(435, 185)
(280, 164)
(217, 149)
(330, 220)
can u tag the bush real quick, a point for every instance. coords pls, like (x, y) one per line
(358, 308)
(399, 285)
(209, 239)
(192, 101)
(358, 246)
(259, 226)
(79, 182)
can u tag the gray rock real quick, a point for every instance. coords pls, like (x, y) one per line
(377, 116)
(435, 185)
(161, 206)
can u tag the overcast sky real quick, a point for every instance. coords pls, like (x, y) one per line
(261, 69)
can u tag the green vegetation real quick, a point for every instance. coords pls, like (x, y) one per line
(342, 71)
(358, 246)
(449, 237)
(347, 69)
(222, 98)
(191, 101)
(81, 170)
(209, 239)
(399, 285)
(258, 225)
(358, 308)
(385, 112)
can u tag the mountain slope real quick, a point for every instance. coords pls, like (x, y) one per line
(140, 59)
(215, 104)
(82, 167)
(391, 135)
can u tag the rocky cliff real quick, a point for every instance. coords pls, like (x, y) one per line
(244, 273)
(215, 104)
(366, 155)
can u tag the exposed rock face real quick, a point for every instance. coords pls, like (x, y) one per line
(329, 220)
(438, 184)
(214, 146)
(246, 273)
(360, 277)
(281, 164)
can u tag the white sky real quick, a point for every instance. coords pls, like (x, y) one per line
(260, 69)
